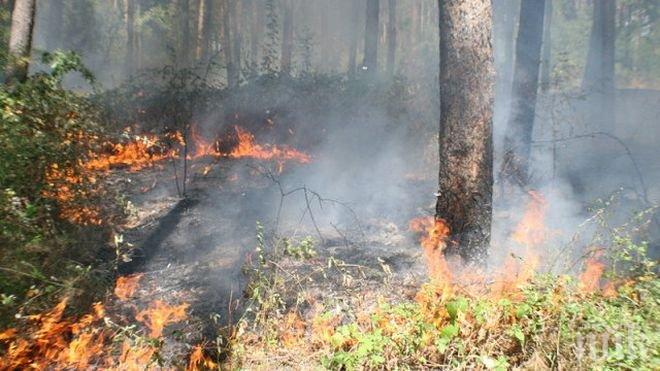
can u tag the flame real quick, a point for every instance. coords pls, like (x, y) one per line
(590, 278)
(140, 152)
(433, 241)
(199, 359)
(126, 286)
(248, 148)
(159, 314)
(531, 230)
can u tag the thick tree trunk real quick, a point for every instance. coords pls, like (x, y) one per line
(353, 44)
(598, 81)
(518, 137)
(20, 40)
(391, 36)
(466, 147)
(371, 38)
(546, 59)
(287, 37)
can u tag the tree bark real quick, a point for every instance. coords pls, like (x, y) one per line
(391, 36)
(371, 38)
(205, 11)
(518, 137)
(20, 40)
(546, 59)
(466, 146)
(287, 37)
(256, 26)
(598, 82)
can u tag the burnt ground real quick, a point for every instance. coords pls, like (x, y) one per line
(192, 250)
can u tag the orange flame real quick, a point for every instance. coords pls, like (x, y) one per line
(590, 278)
(433, 241)
(141, 152)
(198, 360)
(531, 230)
(159, 314)
(248, 148)
(126, 286)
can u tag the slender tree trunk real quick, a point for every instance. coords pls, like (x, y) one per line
(232, 75)
(518, 136)
(598, 81)
(505, 14)
(235, 15)
(131, 47)
(546, 60)
(20, 40)
(184, 52)
(353, 47)
(466, 147)
(371, 38)
(256, 19)
(202, 26)
(55, 11)
(391, 36)
(287, 37)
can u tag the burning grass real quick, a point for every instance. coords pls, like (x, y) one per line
(336, 315)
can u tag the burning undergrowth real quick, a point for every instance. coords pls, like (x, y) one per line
(335, 309)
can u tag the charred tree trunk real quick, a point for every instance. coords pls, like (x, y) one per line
(546, 59)
(518, 137)
(598, 82)
(466, 147)
(353, 47)
(371, 38)
(20, 40)
(287, 37)
(391, 36)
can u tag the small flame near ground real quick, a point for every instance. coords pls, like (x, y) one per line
(159, 314)
(433, 239)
